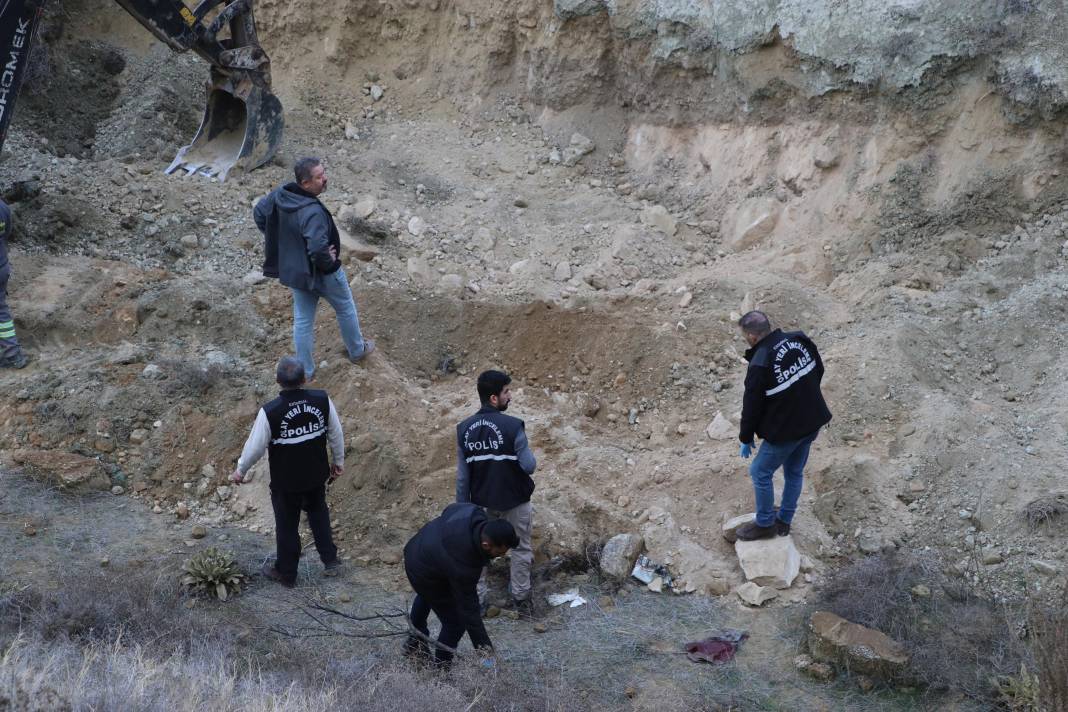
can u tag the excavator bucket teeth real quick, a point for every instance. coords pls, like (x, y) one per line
(241, 128)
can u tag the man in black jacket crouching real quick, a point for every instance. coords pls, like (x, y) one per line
(443, 562)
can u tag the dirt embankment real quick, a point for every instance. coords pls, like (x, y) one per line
(912, 223)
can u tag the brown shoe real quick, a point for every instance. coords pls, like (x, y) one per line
(269, 571)
(752, 531)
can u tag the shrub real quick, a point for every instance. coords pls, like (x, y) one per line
(1048, 626)
(1044, 509)
(214, 573)
(956, 639)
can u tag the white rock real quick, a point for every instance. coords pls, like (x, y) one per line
(152, 372)
(721, 429)
(253, 278)
(658, 217)
(580, 146)
(223, 493)
(377, 92)
(686, 299)
(484, 239)
(754, 221)
(416, 226)
(351, 132)
(452, 285)
(562, 273)
(189, 241)
(755, 595)
(554, 157)
(826, 157)
(419, 270)
(620, 553)
(730, 527)
(518, 267)
(365, 206)
(769, 562)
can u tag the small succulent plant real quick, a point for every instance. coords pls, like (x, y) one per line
(213, 572)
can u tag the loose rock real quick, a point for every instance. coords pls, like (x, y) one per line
(620, 553)
(769, 562)
(836, 640)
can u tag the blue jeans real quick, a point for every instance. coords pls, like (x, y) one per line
(791, 456)
(334, 288)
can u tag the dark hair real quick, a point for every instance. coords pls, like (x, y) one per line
(755, 323)
(491, 383)
(290, 372)
(500, 533)
(302, 169)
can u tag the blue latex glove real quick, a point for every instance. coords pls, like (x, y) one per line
(489, 663)
(746, 450)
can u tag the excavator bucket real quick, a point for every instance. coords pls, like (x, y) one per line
(242, 127)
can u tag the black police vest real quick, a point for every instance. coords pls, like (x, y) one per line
(299, 421)
(487, 443)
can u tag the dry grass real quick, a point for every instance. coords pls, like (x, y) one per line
(124, 639)
(957, 640)
(1049, 643)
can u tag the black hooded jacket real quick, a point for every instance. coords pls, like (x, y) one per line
(298, 233)
(445, 557)
(783, 401)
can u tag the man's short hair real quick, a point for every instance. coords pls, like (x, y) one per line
(491, 383)
(290, 372)
(755, 323)
(500, 533)
(302, 169)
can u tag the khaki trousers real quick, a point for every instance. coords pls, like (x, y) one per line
(521, 518)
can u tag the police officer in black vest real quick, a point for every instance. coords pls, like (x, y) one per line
(493, 469)
(295, 430)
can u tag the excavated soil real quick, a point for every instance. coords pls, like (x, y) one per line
(917, 234)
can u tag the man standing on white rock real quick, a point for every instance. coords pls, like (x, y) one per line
(493, 470)
(784, 405)
(302, 249)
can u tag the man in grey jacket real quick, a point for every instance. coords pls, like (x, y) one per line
(302, 249)
(11, 354)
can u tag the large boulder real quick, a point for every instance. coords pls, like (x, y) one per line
(769, 562)
(65, 470)
(861, 649)
(754, 221)
(620, 553)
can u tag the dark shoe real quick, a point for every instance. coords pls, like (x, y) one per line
(781, 527)
(524, 608)
(18, 361)
(269, 571)
(368, 349)
(334, 568)
(752, 532)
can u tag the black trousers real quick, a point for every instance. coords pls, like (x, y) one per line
(434, 597)
(287, 508)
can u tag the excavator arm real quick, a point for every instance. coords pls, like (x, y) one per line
(242, 125)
